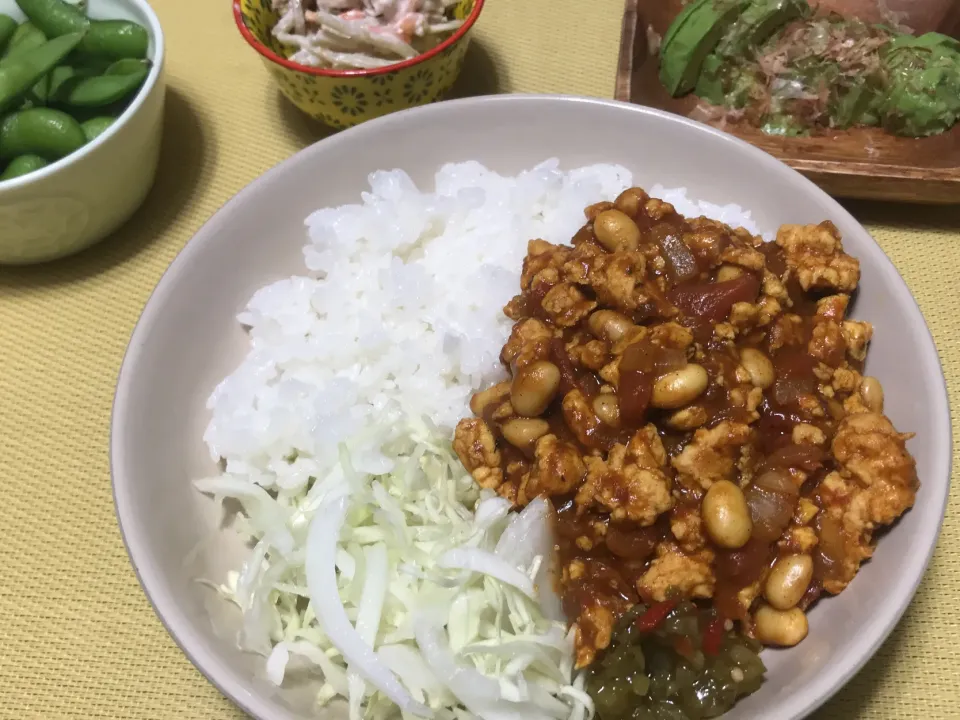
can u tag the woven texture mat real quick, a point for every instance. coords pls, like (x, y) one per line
(77, 636)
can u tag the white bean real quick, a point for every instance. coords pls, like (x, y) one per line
(758, 367)
(785, 628)
(630, 201)
(497, 393)
(726, 516)
(524, 432)
(872, 393)
(606, 407)
(679, 387)
(609, 325)
(534, 386)
(616, 231)
(788, 581)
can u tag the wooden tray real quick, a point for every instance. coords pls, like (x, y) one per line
(860, 163)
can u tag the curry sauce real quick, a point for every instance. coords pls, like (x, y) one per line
(692, 400)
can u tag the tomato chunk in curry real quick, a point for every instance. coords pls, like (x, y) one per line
(692, 401)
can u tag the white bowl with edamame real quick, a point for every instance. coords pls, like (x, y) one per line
(188, 339)
(80, 199)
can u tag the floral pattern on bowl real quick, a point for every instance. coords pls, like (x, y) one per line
(343, 98)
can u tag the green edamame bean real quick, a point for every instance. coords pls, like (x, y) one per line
(54, 17)
(58, 76)
(18, 75)
(47, 87)
(26, 37)
(49, 133)
(23, 165)
(40, 93)
(106, 38)
(99, 90)
(127, 66)
(82, 114)
(8, 26)
(116, 39)
(88, 64)
(95, 127)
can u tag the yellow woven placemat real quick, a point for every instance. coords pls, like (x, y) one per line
(77, 637)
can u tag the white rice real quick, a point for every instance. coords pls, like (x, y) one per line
(399, 312)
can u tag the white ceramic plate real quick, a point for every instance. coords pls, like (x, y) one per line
(188, 339)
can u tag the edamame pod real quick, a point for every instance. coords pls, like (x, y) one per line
(127, 66)
(40, 93)
(26, 37)
(45, 89)
(46, 132)
(107, 38)
(18, 75)
(54, 17)
(23, 165)
(59, 75)
(8, 26)
(116, 39)
(88, 64)
(95, 127)
(82, 114)
(101, 89)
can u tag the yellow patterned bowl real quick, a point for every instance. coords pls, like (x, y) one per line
(343, 98)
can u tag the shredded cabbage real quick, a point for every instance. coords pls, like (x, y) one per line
(412, 593)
